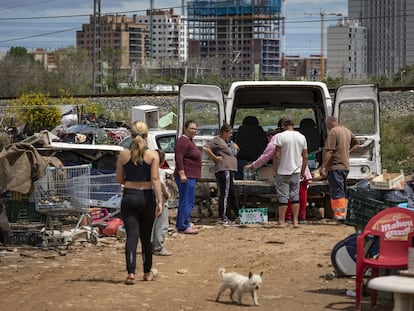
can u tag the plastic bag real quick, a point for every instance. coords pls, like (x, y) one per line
(363, 187)
(112, 227)
(405, 195)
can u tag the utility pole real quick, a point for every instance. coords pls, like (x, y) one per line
(322, 14)
(97, 49)
(151, 26)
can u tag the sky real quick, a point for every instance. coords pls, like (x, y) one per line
(52, 24)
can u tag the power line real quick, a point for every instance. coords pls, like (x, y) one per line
(301, 21)
(179, 7)
(39, 35)
(27, 4)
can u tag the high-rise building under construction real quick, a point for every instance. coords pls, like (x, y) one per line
(240, 39)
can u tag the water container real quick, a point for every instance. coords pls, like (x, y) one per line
(247, 174)
(256, 175)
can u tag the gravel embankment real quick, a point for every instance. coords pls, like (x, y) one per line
(397, 103)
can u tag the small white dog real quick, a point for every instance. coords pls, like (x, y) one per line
(239, 284)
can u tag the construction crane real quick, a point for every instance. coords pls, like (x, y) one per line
(323, 14)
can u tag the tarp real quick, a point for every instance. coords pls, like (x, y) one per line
(20, 165)
(166, 120)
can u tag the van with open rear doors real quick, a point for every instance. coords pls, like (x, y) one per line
(254, 107)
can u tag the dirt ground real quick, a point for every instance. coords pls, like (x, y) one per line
(91, 277)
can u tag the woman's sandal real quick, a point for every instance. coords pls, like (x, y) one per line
(151, 276)
(130, 280)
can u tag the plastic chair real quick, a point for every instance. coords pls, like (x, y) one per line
(393, 228)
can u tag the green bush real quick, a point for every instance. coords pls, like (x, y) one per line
(37, 111)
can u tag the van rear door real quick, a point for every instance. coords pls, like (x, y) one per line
(357, 108)
(203, 104)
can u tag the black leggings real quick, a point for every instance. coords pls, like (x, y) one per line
(138, 214)
(228, 195)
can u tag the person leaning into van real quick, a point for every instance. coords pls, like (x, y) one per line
(187, 172)
(339, 143)
(137, 169)
(223, 152)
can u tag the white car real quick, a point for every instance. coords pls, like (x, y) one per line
(159, 139)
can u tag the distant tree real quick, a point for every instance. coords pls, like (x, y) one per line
(73, 72)
(19, 54)
(19, 72)
(114, 73)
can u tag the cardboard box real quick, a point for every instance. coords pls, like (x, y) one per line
(253, 215)
(387, 181)
(266, 173)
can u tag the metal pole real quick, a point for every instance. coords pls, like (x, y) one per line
(97, 52)
(322, 45)
(151, 26)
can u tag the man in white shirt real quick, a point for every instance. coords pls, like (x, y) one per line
(289, 164)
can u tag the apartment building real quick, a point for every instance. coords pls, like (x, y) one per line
(131, 38)
(45, 57)
(390, 33)
(303, 68)
(295, 67)
(167, 38)
(121, 38)
(347, 50)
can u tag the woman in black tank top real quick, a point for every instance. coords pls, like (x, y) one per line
(137, 170)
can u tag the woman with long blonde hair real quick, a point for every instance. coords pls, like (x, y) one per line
(137, 170)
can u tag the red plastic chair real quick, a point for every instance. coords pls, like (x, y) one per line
(394, 229)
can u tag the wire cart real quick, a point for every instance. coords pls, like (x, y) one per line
(105, 194)
(64, 191)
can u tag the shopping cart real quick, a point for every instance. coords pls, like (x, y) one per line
(64, 191)
(105, 196)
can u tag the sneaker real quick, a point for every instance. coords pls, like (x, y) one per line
(224, 221)
(303, 222)
(162, 252)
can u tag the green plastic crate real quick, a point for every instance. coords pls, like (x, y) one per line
(361, 209)
(22, 211)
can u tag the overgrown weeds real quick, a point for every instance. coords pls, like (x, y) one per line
(397, 143)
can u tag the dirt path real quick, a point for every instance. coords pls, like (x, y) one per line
(85, 277)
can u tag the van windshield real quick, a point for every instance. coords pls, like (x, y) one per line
(269, 119)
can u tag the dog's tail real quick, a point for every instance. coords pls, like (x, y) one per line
(221, 272)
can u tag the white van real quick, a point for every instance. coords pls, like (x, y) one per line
(262, 104)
